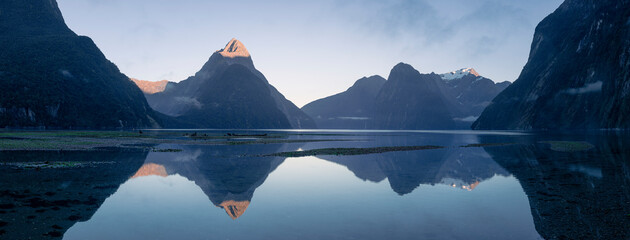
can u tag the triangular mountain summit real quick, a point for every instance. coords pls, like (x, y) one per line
(228, 92)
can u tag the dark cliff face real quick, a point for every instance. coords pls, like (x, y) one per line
(31, 17)
(410, 100)
(249, 101)
(577, 75)
(51, 77)
(352, 109)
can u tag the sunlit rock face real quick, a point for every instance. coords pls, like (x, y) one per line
(228, 92)
(50, 77)
(151, 169)
(234, 209)
(234, 48)
(150, 87)
(577, 75)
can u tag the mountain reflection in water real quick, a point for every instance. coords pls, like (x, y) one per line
(525, 190)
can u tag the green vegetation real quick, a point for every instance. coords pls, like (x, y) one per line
(108, 140)
(42, 143)
(273, 141)
(82, 134)
(167, 150)
(59, 164)
(486, 145)
(569, 146)
(210, 137)
(350, 151)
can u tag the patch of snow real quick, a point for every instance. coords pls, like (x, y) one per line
(459, 74)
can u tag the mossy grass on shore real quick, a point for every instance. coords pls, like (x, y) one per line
(167, 150)
(54, 164)
(120, 140)
(350, 151)
(569, 146)
(486, 145)
(84, 134)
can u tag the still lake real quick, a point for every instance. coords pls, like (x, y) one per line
(481, 185)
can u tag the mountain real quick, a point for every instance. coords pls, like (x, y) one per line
(51, 77)
(228, 92)
(352, 109)
(577, 74)
(469, 94)
(411, 101)
(150, 87)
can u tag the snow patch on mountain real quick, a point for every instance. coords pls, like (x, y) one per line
(459, 74)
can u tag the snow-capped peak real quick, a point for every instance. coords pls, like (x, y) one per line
(234, 48)
(459, 74)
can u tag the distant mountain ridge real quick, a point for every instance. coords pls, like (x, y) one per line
(408, 100)
(577, 75)
(228, 92)
(50, 77)
(354, 108)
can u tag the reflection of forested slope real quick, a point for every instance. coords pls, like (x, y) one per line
(574, 195)
(37, 204)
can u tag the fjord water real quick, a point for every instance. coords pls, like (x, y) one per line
(511, 186)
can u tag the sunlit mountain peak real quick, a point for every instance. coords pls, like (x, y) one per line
(234, 48)
(233, 208)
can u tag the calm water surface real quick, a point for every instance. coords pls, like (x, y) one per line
(523, 190)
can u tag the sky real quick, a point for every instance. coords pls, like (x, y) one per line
(312, 49)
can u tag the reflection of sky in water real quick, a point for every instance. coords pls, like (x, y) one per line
(309, 198)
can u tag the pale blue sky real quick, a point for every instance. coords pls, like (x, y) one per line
(312, 49)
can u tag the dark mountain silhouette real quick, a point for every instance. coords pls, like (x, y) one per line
(410, 100)
(352, 109)
(51, 77)
(228, 92)
(413, 101)
(577, 75)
